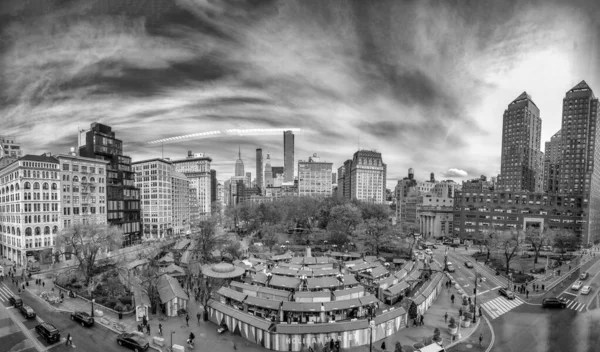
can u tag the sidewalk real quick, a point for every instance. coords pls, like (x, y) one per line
(433, 318)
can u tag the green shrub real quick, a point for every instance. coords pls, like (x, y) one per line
(126, 300)
(76, 285)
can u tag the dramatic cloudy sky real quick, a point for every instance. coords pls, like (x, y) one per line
(423, 82)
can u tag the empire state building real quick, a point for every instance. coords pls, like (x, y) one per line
(239, 165)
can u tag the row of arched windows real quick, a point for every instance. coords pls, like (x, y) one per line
(29, 231)
(36, 185)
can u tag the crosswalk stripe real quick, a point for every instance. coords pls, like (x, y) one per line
(5, 292)
(499, 306)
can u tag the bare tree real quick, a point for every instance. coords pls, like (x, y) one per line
(563, 239)
(375, 233)
(85, 241)
(507, 242)
(269, 235)
(537, 237)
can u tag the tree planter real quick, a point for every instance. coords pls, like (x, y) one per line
(453, 330)
(465, 323)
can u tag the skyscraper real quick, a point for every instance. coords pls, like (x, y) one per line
(259, 169)
(122, 197)
(521, 163)
(288, 156)
(268, 172)
(580, 161)
(552, 155)
(239, 164)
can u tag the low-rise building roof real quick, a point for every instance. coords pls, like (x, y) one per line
(169, 288)
(322, 282)
(284, 281)
(301, 307)
(263, 302)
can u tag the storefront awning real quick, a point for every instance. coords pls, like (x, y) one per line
(285, 282)
(396, 289)
(241, 316)
(263, 303)
(341, 305)
(301, 307)
(322, 282)
(232, 294)
(366, 300)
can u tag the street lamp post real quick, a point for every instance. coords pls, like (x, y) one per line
(477, 275)
(172, 339)
(93, 301)
(371, 328)
(446, 259)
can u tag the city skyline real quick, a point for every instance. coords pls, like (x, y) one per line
(426, 87)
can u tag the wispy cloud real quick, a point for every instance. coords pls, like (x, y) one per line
(423, 82)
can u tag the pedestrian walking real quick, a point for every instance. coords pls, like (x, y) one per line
(527, 294)
(422, 320)
(446, 317)
(44, 285)
(515, 289)
(148, 329)
(460, 312)
(383, 345)
(187, 320)
(68, 340)
(198, 316)
(160, 329)
(452, 298)
(543, 287)
(480, 339)
(144, 320)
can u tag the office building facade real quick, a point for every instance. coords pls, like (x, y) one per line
(552, 156)
(213, 186)
(123, 198)
(474, 213)
(368, 176)
(83, 190)
(9, 147)
(580, 162)
(521, 161)
(30, 206)
(153, 179)
(180, 203)
(196, 167)
(314, 177)
(268, 172)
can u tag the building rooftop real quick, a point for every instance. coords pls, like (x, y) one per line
(42, 158)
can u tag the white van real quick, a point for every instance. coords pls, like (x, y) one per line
(434, 347)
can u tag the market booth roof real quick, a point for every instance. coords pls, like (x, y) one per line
(222, 271)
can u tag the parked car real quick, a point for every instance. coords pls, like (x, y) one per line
(507, 293)
(16, 301)
(577, 285)
(429, 251)
(468, 264)
(451, 268)
(553, 302)
(585, 290)
(48, 331)
(27, 312)
(133, 342)
(84, 318)
(223, 328)
(584, 275)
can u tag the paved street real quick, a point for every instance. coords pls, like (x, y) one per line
(96, 338)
